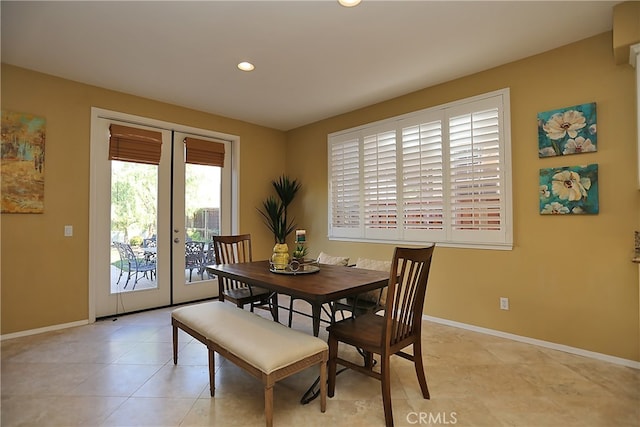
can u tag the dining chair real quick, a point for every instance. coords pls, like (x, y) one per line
(235, 249)
(388, 335)
(323, 258)
(366, 302)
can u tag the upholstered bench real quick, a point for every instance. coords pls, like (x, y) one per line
(266, 349)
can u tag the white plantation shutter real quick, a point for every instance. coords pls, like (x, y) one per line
(344, 187)
(422, 181)
(440, 175)
(476, 198)
(380, 188)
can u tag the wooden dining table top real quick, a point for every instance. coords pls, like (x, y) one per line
(330, 283)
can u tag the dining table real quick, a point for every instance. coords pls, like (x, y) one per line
(317, 284)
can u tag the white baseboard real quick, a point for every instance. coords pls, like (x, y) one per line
(45, 329)
(540, 343)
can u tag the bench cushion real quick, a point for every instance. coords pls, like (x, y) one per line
(264, 344)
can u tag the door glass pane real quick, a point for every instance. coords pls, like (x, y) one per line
(134, 207)
(202, 218)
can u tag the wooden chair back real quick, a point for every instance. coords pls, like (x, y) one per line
(405, 296)
(231, 250)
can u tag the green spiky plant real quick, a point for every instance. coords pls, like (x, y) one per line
(300, 252)
(274, 210)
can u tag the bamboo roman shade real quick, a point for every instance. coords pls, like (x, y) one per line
(201, 152)
(136, 145)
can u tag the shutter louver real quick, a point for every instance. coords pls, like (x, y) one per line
(135, 145)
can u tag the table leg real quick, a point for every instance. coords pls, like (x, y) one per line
(315, 313)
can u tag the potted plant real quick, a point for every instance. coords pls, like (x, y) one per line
(274, 215)
(299, 252)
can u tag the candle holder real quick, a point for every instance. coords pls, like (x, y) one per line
(301, 250)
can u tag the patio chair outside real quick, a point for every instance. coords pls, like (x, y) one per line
(194, 258)
(134, 265)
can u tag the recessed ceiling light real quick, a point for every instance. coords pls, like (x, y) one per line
(349, 3)
(246, 66)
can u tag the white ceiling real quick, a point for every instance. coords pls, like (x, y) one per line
(314, 59)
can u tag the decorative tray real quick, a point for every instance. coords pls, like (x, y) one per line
(293, 270)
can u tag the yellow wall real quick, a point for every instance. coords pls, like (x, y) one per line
(570, 280)
(44, 275)
(626, 29)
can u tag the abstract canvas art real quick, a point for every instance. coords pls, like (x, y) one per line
(22, 148)
(569, 190)
(571, 130)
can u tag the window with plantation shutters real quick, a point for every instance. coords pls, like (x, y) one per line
(440, 175)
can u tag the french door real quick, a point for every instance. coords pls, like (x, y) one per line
(163, 213)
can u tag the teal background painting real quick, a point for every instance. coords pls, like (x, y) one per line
(570, 130)
(569, 190)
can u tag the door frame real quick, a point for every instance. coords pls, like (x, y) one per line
(96, 252)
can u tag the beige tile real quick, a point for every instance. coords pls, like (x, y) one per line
(57, 411)
(538, 411)
(464, 411)
(147, 353)
(457, 353)
(620, 380)
(558, 380)
(45, 379)
(600, 411)
(225, 412)
(149, 411)
(176, 381)
(116, 380)
(517, 352)
(121, 373)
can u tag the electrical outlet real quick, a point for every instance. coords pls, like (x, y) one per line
(504, 303)
(68, 230)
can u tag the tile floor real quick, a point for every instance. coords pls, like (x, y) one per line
(120, 373)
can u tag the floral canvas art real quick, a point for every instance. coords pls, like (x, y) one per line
(569, 190)
(23, 137)
(571, 130)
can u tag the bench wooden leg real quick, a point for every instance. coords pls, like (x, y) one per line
(212, 372)
(268, 405)
(323, 386)
(175, 344)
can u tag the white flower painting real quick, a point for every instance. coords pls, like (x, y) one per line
(571, 130)
(569, 190)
